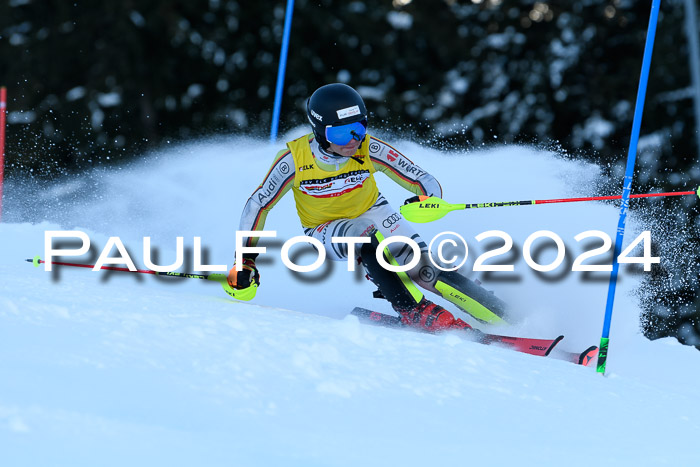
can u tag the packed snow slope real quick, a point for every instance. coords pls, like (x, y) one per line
(114, 369)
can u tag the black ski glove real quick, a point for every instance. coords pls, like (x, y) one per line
(245, 275)
(415, 199)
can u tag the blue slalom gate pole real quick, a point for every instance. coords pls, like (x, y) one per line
(627, 182)
(281, 70)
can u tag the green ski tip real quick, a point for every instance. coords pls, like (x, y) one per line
(36, 261)
(697, 192)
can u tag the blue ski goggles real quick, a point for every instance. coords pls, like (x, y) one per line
(343, 134)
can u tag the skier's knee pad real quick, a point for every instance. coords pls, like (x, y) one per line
(472, 298)
(396, 287)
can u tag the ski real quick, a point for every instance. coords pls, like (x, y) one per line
(539, 347)
(584, 358)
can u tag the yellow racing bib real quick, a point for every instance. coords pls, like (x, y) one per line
(322, 196)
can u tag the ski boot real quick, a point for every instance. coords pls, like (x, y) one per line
(430, 317)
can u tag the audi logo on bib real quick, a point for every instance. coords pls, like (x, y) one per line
(391, 220)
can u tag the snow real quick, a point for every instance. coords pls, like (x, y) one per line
(113, 369)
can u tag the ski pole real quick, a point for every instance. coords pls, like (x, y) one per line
(627, 183)
(240, 294)
(432, 208)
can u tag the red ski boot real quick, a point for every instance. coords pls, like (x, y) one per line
(431, 317)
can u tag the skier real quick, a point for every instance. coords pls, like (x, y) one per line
(331, 174)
